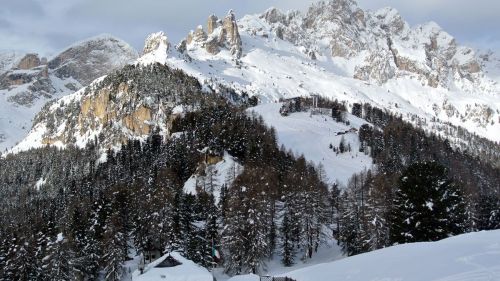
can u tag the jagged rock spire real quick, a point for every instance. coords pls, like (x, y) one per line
(156, 41)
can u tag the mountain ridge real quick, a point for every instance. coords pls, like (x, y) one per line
(269, 57)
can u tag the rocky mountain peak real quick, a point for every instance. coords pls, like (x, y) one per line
(220, 34)
(274, 15)
(212, 23)
(156, 48)
(382, 42)
(92, 58)
(391, 21)
(156, 41)
(28, 81)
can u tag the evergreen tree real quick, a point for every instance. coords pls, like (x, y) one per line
(428, 205)
(357, 110)
(287, 244)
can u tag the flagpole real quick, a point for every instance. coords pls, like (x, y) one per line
(213, 258)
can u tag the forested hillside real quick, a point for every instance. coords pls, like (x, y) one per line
(79, 213)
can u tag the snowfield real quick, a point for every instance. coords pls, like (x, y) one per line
(468, 257)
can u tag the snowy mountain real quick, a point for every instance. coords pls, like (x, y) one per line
(27, 81)
(265, 144)
(339, 51)
(335, 50)
(466, 257)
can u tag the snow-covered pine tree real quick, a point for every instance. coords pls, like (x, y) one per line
(21, 263)
(428, 205)
(114, 241)
(350, 224)
(378, 206)
(58, 260)
(248, 220)
(307, 201)
(116, 235)
(488, 212)
(206, 236)
(287, 245)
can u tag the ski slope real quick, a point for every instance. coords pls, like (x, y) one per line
(311, 136)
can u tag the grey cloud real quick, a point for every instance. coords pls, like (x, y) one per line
(4, 24)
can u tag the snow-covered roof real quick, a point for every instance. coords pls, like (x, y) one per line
(186, 271)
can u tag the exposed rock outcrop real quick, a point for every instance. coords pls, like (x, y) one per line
(131, 103)
(199, 34)
(212, 45)
(154, 41)
(29, 61)
(212, 24)
(223, 34)
(230, 29)
(28, 81)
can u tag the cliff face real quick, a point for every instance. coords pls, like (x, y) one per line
(130, 103)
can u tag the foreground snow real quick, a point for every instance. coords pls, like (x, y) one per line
(474, 256)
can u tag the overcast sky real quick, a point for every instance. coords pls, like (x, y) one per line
(47, 26)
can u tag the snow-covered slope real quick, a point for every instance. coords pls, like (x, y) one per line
(468, 257)
(27, 82)
(211, 177)
(342, 52)
(311, 136)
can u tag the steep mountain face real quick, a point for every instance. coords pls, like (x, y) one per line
(8, 59)
(27, 81)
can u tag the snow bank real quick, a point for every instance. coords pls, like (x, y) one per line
(474, 256)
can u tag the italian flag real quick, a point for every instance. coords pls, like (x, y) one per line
(215, 253)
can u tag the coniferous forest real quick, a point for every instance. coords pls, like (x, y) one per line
(90, 215)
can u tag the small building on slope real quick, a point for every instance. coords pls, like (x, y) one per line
(172, 267)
